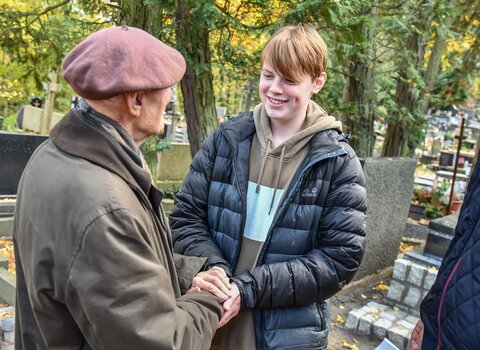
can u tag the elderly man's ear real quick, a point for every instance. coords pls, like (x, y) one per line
(134, 102)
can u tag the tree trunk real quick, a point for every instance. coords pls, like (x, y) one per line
(406, 95)
(197, 85)
(359, 91)
(438, 48)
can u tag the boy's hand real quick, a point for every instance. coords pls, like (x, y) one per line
(231, 306)
(214, 280)
(417, 336)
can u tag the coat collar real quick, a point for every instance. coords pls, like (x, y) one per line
(79, 134)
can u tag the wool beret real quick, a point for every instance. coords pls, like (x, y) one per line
(116, 60)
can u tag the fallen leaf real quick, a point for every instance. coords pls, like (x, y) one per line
(340, 319)
(381, 287)
(364, 296)
(347, 345)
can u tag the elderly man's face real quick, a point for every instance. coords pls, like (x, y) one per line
(154, 104)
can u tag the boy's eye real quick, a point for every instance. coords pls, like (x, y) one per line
(266, 75)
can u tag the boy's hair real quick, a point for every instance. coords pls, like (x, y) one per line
(296, 50)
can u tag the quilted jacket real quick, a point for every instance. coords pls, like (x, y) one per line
(313, 248)
(451, 310)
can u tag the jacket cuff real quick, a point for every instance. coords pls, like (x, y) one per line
(248, 292)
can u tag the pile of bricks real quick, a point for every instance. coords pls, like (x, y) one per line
(7, 325)
(396, 317)
(411, 282)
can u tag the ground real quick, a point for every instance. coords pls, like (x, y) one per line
(354, 296)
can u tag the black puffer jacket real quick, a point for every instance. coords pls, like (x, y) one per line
(315, 243)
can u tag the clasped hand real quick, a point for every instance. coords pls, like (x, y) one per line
(216, 281)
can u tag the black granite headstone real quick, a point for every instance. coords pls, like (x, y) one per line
(440, 234)
(15, 152)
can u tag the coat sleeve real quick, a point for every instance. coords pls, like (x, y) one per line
(323, 271)
(189, 219)
(120, 292)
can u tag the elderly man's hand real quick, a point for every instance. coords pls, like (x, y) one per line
(215, 280)
(231, 306)
(417, 336)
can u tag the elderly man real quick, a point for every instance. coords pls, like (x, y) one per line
(95, 267)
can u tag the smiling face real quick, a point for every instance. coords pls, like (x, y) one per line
(286, 101)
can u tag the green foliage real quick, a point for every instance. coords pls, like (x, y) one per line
(171, 192)
(434, 211)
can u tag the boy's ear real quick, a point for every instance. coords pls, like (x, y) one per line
(318, 82)
(134, 102)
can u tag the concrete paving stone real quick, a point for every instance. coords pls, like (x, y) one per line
(413, 297)
(380, 327)
(8, 324)
(400, 269)
(7, 309)
(388, 315)
(408, 325)
(416, 274)
(6, 346)
(412, 319)
(398, 335)
(365, 323)
(377, 306)
(353, 318)
(395, 291)
(9, 336)
(397, 314)
(368, 309)
(430, 278)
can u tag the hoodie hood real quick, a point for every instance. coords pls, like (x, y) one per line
(316, 120)
(288, 155)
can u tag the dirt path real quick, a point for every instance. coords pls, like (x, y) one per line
(355, 296)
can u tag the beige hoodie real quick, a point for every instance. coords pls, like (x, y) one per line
(270, 173)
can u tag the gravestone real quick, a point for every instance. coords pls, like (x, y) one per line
(440, 234)
(15, 152)
(389, 185)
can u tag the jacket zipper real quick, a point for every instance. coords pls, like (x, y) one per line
(441, 300)
(310, 164)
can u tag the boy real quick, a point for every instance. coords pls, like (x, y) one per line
(276, 199)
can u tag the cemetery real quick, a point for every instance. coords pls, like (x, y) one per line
(407, 94)
(394, 187)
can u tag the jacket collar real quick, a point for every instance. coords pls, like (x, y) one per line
(80, 134)
(243, 127)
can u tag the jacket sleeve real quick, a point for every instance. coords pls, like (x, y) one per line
(189, 219)
(323, 271)
(119, 291)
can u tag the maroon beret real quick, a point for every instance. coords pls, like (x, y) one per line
(116, 60)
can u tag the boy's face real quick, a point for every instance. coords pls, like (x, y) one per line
(285, 100)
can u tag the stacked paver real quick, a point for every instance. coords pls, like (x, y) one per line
(410, 283)
(7, 325)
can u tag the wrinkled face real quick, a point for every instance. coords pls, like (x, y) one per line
(154, 104)
(286, 100)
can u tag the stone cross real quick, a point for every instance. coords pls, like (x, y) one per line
(51, 88)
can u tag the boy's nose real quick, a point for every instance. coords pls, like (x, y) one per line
(276, 87)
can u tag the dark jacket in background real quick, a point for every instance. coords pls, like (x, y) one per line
(95, 262)
(315, 243)
(451, 310)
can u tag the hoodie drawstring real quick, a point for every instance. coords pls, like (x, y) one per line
(262, 167)
(277, 179)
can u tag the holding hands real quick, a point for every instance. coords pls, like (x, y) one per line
(216, 281)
